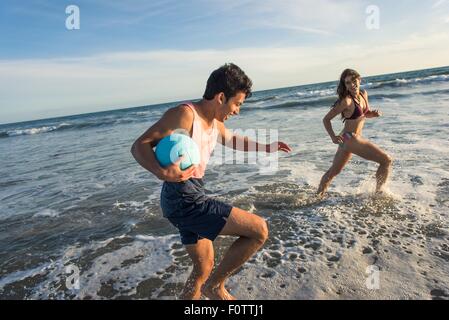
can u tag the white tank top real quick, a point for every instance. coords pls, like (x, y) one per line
(206, 141)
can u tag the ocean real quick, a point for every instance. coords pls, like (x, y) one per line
(80, 219)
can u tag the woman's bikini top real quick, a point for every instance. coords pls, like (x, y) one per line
(358, 111)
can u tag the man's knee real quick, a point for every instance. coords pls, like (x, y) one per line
(262, 231)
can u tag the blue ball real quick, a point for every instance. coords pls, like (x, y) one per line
(169, 149)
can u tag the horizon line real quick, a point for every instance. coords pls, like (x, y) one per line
(183, 100)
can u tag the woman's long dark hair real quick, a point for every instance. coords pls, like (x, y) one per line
(342, 91)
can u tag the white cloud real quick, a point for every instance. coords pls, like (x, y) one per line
(307, 16)
(292, 27)
(70, 86)
(438, 3)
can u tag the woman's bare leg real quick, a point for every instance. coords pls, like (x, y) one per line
(341, 158)
(372, 152)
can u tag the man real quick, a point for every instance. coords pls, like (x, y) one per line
(199, 218)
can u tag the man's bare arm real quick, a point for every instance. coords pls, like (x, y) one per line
(142, 149)
(245, 144)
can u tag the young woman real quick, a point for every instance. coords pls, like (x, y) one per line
(353, 105)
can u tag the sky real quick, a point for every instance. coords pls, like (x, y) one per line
(142, 52)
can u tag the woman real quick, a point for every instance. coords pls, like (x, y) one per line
(353, 105)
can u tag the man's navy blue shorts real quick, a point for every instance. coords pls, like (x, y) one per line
(196, 216)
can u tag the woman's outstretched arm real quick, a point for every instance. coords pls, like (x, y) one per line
(371, 113)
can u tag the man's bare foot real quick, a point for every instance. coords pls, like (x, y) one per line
(216, 293)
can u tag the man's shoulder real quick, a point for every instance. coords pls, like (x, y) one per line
(181, 111)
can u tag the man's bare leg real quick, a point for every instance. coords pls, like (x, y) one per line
(202, 255)
(252, 231)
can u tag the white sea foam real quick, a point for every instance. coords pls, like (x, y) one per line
(50, 213)
(409, 224)
(125, 265)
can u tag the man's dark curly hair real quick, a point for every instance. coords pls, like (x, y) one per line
(230, 80)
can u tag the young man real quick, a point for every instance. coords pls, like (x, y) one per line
(199, 218)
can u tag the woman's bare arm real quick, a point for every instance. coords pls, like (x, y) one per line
(370, 113)
(335, 111)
